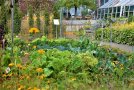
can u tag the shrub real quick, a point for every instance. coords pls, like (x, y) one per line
(121, 33)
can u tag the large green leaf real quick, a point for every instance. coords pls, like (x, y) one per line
(47, 72)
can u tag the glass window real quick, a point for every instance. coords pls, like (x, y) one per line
(131, 8)
(114, 9)
(118, 9)
(127, 8)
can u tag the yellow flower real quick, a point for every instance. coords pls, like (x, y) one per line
(30, 88)
(42, 76)
(35, 88)
(4, 75)
(48, 81)
(27, 77)
(39, 70)
(21, 87)
(116, 62)
(19, 66)
(9, 86)
(73, 79)
(34, 47)
(121, 65)
(23, 68)
(10, 74)
(41, 51)
(113, 64)
(34, 30)
(122, 68)
(22, 77)
(26, 54)
(11, 65)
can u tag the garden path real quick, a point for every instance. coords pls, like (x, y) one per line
(123, 47)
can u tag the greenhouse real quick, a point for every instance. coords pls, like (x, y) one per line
(116, 8)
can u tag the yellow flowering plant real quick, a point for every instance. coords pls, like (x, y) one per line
(42, 76)
(41, 51)
(34, 30)
(34, 47)
(11, 65)
(39, 70)
(19, 66)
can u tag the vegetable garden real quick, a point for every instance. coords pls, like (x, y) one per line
(60, 64)
(33, 58)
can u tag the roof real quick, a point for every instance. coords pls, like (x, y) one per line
(110, 3)
(131, 2)
(123, 3)
(116, 3)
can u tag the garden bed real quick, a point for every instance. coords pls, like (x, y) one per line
(62, 64)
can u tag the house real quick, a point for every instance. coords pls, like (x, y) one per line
(115, 8)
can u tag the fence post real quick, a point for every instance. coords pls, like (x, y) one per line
(61, 22)
(12, 25)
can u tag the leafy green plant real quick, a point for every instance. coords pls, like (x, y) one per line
(38, 41)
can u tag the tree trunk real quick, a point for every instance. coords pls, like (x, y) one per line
(75, 10)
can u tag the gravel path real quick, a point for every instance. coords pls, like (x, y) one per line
(126, 48)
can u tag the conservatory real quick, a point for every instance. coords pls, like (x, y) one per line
(116, 8)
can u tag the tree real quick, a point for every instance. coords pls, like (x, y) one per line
(2, 2)
(31, 21)
(38, 20)
(41, 4)
(75, 3)
(3, 16)
(46, 17)
(17, 19)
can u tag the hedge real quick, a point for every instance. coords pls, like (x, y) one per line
(123, 36)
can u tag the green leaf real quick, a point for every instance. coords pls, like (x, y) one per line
(119, 72)
(47, 72)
